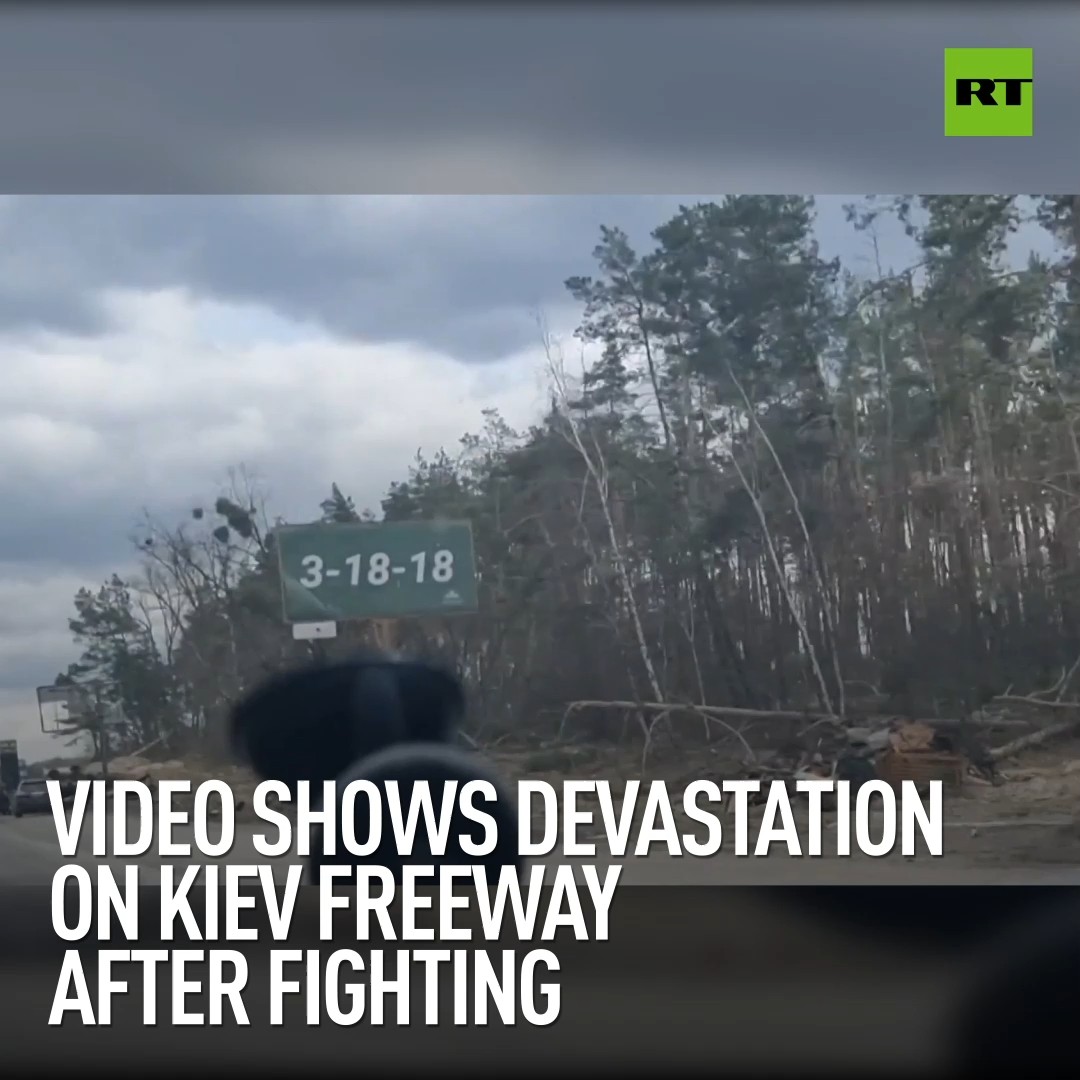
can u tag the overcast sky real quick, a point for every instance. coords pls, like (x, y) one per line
(149, 344)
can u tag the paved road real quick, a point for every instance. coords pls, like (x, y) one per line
(825, 1000)
(820, 987)
(29, 854)
(668, 984)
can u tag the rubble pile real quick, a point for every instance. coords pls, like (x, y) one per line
(918, 753)
(897, 751)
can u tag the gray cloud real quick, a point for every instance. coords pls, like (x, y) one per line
(152, 412)
(74, 532)
(557, 99)
(461, 274)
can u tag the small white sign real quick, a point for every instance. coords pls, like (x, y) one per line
(314, 631)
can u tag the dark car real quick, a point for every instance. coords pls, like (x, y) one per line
(32, 797)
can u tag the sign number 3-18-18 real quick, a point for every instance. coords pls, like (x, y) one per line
(383, 570)
(379, 569)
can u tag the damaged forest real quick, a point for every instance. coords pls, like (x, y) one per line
(783, 517)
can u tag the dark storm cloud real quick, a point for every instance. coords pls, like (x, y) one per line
(464, 274)
(774, 97)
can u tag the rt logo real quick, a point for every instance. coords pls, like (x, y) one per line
(989, 92)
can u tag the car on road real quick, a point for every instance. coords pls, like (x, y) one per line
(31, 797)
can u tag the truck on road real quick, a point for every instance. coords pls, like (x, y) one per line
(10, 773)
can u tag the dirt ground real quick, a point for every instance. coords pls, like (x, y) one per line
(1030, 818)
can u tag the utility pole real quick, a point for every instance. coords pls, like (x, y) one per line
(105, 712)
(386, 634)
(103, 745)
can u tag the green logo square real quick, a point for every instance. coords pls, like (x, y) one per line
(989, 92)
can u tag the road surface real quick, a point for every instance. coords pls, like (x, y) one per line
(821, 990)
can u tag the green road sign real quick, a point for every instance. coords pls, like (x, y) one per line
(384, 571)
(989, 92)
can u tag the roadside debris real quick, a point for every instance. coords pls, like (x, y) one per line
(134, 767)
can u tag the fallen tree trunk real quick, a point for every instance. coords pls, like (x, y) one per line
(1042, 703)
(1034, 738)
(726, 712)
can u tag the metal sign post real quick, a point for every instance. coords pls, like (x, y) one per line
(386, 634)
(113, 711)
(61, 708)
